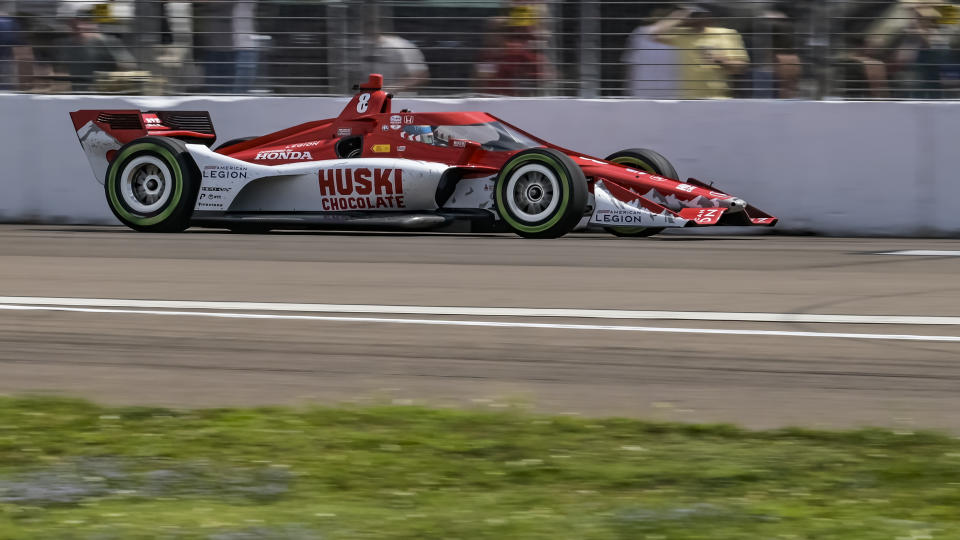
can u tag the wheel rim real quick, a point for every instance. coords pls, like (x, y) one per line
(146, 184)
(533, 193)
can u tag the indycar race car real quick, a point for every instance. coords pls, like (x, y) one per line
(372, 167)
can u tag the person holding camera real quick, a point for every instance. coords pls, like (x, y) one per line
(709, 54)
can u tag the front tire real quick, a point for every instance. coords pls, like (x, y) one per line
(151, 185)
(649, 161)
(541, 193)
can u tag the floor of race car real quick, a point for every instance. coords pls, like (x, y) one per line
(744, 328)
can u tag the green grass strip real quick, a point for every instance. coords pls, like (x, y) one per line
(74, 470)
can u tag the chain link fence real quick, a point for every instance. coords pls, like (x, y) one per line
(796, 49)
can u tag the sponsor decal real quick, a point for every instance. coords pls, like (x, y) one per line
(361, 189)
(408, 119)
(401, 148)
(344, 131)
(210, 205)
(216, 189)
(151, 120)
(210, 196)
(718, 195)
(686, 187)
(707, 215)
(232, 172)
(381, 148)
(459, 143)
(385, 127)
(619, 217)
(307, 144)
(283, 154)
(395, 120)
(656, 178)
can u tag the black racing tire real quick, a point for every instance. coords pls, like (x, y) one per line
(232, 142)
(648, 161)
(541, 193)
(151, 185)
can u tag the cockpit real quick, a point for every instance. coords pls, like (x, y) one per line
(493, 136)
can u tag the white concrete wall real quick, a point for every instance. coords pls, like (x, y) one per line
(823, 167)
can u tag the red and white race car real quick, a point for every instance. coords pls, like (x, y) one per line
(375, 168)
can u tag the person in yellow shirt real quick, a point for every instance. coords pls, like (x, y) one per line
(709, 55)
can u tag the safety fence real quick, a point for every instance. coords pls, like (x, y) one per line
(811, 49)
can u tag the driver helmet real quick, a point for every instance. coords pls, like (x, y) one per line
(418, 133)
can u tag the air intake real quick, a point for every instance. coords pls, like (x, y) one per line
(196, 121)
(120, 120)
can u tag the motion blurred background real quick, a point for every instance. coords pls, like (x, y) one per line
(739, 49)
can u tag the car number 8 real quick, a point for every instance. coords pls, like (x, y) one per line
(362, 103)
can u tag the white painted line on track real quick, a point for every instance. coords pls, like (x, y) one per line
(484, 311)
(494, 324)
(923, 253)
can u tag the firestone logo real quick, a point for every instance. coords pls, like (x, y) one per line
(283, 154)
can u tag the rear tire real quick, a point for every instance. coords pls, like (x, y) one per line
(541, 193)
(151, 185)
(649, 161)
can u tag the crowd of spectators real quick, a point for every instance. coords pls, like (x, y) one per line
(861, 50)
(670, 50)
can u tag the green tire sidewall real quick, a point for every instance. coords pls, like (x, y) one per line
(562, 177)
(635, 162)
(114, 175)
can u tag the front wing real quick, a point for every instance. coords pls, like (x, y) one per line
(617, 206)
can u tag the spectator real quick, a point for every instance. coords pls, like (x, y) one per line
(777, 67)
(213, 43)
(399, 61)
(246, 45)
(40, 19)
(511, 63)
(922, 54)
(861, 74)
(709, 55)
(653, 65)
(494, 34)
(14, 54)
(87, 51)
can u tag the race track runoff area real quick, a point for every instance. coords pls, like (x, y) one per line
(760, 331)
(467, 386)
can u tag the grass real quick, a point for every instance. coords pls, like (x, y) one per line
(71, 469)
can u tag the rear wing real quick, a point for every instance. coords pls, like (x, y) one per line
(102, 133)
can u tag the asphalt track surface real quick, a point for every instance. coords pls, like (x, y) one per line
(710, 366)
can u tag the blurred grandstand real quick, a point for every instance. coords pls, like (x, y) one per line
(803, 49)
